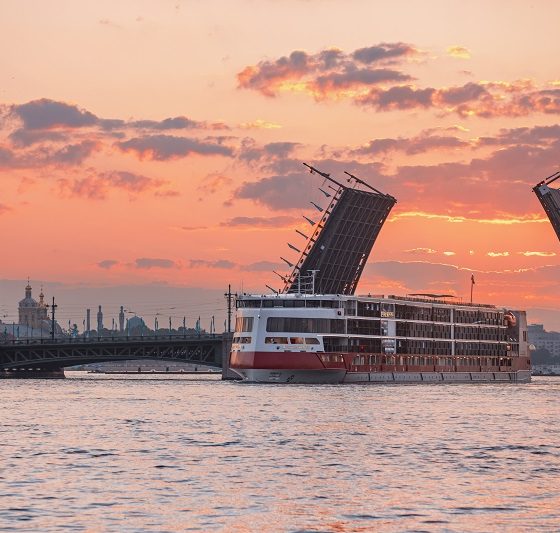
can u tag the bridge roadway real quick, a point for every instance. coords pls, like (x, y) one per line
(47, 357)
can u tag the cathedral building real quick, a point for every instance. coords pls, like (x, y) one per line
(32, 313)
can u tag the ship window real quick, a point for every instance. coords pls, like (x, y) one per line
(296, 340)
(276, 340)
(311, 340)
(304, 325)
(333, 304)
(291, 303)
(243, 324)
(247, 303)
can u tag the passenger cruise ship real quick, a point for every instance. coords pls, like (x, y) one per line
(311, 338)
(316, 330)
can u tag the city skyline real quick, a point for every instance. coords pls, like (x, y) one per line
(161, 145)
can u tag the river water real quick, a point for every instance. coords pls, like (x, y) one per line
(107, 453)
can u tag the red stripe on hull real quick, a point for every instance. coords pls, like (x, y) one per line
(276, 360)
(317, 361)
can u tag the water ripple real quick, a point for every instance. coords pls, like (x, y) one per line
(168, 455)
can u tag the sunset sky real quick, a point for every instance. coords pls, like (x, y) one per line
(156, 143)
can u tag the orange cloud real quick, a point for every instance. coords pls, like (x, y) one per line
(260, 124)
(526, 219)
(329, 71)
(165, 147)
(96, 187)
(486, 100)
(538, 254)
(459, 52)
(365, 78)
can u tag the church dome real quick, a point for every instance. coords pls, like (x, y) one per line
(28, 302)
(135, 322)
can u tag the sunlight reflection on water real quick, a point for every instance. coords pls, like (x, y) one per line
(97, 452)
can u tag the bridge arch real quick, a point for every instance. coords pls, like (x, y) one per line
(53, 356)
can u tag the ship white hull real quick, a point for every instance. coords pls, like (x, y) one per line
(335, 376)
(254, 375)
(520, 376)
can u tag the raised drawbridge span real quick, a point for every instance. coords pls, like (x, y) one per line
(336, 252)
(549, 198)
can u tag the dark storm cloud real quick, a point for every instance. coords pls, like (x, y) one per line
(164, 147)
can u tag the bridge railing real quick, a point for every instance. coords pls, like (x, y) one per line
(111, 339)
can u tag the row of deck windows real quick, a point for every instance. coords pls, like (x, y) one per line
(385, 310)
(416, 347)
(375, 327)
(452, 362)
(282, 302)
(428, 313)
(419, 329)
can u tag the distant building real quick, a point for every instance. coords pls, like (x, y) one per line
(99, 320)
(136, 327)
(32, 313)
(542, 339)
(121, 319)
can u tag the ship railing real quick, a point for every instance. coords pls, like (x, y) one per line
(437, 301)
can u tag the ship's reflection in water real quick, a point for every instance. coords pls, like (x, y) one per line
(102, 453)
